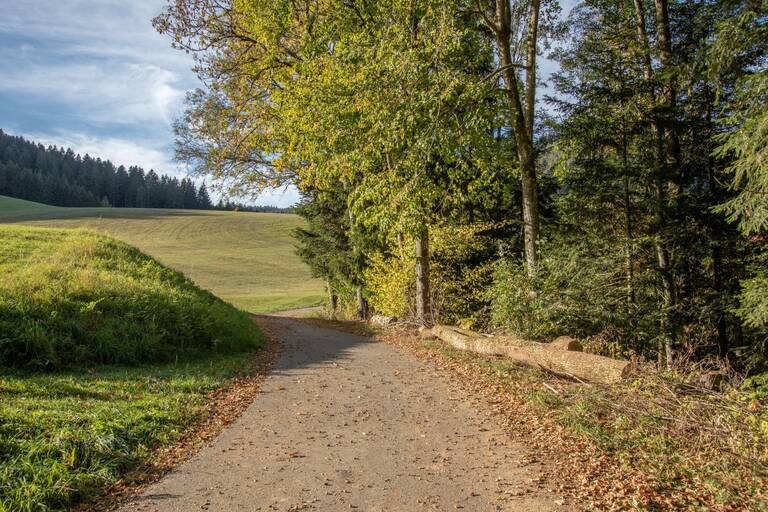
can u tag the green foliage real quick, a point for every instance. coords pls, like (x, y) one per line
(548, 306)
(72, 297)
(580, 290)
(398, 113)
(740, 37)
(459, 276)
(753, 305)
(390, 117)
(325, 244)
(745, 144)
(65, 437)
(757, 386)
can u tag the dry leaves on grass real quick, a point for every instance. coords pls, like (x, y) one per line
(587, 477)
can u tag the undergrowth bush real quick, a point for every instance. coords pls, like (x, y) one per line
(576, 292)
(459, 276)
(74, 297)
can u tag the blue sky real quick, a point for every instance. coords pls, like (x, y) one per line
(95, 76)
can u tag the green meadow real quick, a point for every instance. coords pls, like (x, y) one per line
(114, 334)
(105, 355)
(242, 257)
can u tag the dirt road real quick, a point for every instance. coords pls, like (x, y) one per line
(346, 423)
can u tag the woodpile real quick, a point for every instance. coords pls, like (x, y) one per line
(563, 356)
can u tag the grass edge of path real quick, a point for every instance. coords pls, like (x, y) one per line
(225, 406)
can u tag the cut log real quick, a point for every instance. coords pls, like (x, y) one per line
(566, 343)
(587, 367)
(382, 320)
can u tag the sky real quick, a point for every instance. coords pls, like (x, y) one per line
(94, 75)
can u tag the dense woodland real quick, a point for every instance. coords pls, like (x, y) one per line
(59, 177)
(623, 201)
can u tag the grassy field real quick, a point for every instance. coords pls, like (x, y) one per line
(71, 302)
(64, 437)
(245, 258)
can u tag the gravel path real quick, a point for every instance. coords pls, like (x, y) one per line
(346, 423)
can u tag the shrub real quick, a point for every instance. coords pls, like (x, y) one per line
(74, 297)
(459, 276)
(575, 292)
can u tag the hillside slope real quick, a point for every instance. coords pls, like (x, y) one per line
(73, 297)
(245, 258)
(70, 302)
(12, 208)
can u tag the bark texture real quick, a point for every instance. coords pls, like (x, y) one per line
(522, 117)
(551, 356)
(423, 309)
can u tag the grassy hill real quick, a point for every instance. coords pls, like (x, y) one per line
(71, 301)
(74, 297)
(244, 258)
(12, 208)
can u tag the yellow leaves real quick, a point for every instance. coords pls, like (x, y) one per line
(456, 284)
(390, 282)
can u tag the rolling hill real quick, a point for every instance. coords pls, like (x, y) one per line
(243, 257)
(104, 355)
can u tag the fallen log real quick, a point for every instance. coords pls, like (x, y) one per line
(381, 320)
(554, 357)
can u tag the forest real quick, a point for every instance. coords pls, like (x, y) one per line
(59, 177)
(445, 178)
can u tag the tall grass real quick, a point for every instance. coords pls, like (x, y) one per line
(73, 298)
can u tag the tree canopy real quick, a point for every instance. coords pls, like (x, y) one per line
(625, 206)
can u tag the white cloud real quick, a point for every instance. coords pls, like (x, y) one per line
(95, 76)
(122, 93)
(118, 151)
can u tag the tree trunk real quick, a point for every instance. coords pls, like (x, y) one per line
(333, 300)
(642, 39)
(362, 304)
(666, 323)
(628, 233)
(530, 73)
(423, 309)
(549, 356)
(717, 284)
(522, 120)
(666, 346)
(665, 149)
(717, 253)
(671, 167)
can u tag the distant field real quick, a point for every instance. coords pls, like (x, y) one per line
(245, 258)
(10, 207)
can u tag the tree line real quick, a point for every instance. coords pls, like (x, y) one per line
(623, 203)
(59, 177)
